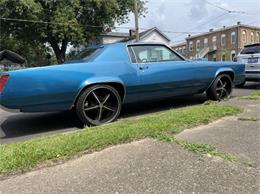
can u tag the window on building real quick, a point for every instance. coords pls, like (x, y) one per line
(252, 37)
(244, 37)
(223, 57)
(257, 37)
(214, 42)
(198, 45)
(233, 55)
(233, 38)
(214, 58)
(206, 42)
(223, 40)
(184, 50)
(190, 46)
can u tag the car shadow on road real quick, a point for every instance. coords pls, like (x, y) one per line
(251, 86)
(33, 125)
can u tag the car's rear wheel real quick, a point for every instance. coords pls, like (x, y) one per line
(98, 105)
(221, 88)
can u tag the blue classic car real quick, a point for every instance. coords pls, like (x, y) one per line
(103, 78)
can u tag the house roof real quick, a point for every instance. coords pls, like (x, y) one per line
(223, 29)
(179, 44)
(149, 31)
(116, 34)
(12, 56)
(142, 34)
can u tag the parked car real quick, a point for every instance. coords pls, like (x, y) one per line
(102, 79)
(250, 56)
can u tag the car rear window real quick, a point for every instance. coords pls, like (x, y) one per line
(251, 50)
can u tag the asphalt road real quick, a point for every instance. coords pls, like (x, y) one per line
(19, 126)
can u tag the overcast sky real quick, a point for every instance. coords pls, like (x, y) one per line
(196, 15)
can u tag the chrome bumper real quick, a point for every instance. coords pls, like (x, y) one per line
(253, 75)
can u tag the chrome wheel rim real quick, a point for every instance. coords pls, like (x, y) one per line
(101, 105)
(223, 88)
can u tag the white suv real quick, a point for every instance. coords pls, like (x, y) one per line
(250, 56)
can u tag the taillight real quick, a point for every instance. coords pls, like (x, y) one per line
(3, 81)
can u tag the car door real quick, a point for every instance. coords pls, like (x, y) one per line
(162, 72)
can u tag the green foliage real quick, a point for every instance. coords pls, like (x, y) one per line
(163, 126)
(63, 22)
(35, 54)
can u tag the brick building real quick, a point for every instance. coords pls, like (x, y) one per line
(220, 44)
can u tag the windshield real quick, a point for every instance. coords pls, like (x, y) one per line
(87, 54)
(251, 50)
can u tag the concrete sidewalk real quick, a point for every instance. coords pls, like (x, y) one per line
(150, 166)
(233, 135)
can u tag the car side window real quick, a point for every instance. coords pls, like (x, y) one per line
(152, 53)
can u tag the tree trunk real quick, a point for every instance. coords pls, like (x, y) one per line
(60, 53)
(60, 56)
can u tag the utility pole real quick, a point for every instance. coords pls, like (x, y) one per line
(136, 21)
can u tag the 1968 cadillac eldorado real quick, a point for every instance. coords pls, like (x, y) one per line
(103, 78)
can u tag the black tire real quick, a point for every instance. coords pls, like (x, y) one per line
(241, 85)
(98, 104)
(221, 88)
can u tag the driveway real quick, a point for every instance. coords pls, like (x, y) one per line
(19, 126)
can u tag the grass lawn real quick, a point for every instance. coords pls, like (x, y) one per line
(253, 96)
(163, 125)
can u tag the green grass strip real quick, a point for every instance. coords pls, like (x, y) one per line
(248, 119)
(256, 93)
(198, 148)
(28, 154)
(253, 96)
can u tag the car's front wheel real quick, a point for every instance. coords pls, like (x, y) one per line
(98, 105)
(221, 88)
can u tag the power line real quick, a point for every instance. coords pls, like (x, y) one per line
(207, 22)
(94, 26)
(230, 11)
(214, 5)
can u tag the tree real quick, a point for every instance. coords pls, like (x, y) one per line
(62, 22)
(35, 55)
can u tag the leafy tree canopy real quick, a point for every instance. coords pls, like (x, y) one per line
(35, 54)
(61, 22)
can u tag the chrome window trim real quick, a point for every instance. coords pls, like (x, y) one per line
(149, 44)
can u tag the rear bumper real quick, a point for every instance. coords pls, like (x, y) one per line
(252, 75)
(5, 108)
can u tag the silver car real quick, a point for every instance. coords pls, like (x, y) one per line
(250, 56)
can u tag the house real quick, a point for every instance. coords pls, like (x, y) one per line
(180, 48)
(11, 60)
(221, 44)
(150, 35)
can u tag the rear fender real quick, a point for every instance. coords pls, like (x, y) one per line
(95, 81)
